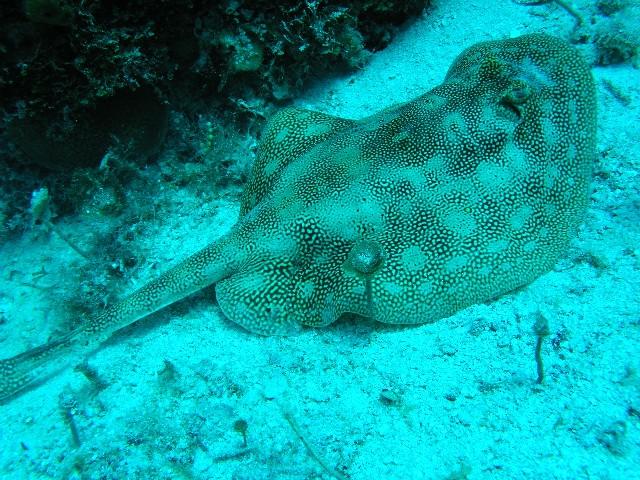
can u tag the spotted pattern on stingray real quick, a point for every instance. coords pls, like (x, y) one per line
(468, 192)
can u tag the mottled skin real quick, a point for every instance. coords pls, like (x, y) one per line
(456, 197)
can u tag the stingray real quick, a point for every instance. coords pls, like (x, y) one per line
(407, 216)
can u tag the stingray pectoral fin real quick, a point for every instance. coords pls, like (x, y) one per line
(261, 309)
(28, 369)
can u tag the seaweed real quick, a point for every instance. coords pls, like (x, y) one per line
(541, 330)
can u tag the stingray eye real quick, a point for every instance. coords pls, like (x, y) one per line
(515, 97)
(365, 257)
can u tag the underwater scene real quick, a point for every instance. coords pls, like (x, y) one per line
(320, 239)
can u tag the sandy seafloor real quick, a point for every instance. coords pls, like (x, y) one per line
(466, 404)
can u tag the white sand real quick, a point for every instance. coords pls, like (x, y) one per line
(466, 398)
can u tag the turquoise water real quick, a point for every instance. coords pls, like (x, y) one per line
(185, 393)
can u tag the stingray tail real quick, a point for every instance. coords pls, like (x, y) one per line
(25, 371)
(31, 368)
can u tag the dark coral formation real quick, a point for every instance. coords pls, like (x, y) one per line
(88, 83)
(134, 122)
(62, 57)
